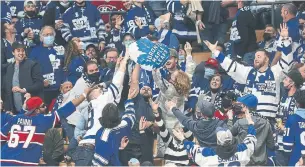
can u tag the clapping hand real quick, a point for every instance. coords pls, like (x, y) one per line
(212, 47)
(284, 30)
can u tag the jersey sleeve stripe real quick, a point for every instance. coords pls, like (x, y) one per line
(100, 158)
(115, 88)
(56, 119)
(3, 136)
(287, 144)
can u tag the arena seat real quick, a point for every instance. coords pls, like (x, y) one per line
(201, 56)
(259, 35)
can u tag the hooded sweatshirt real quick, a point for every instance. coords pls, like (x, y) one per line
(204, 130)
(264, 137)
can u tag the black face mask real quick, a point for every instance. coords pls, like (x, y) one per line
(111, 65)
(267, 36)
(226, 103)
(95, 77)
(30, 13)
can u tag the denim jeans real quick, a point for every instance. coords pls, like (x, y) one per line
(281, 159)
(214, 32)
(82, 156)
(68, 128)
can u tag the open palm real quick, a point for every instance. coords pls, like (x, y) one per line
(284, 30)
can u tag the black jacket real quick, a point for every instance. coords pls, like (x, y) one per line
(30, 78)
(246, 28)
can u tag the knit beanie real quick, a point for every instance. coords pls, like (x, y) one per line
(248, 100)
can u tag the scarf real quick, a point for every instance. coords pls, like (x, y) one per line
(87, 80)
(225, 152)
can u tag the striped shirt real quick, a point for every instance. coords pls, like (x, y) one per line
(174, 152)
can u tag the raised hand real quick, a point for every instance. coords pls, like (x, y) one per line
(138, 22)
(179, 135)
(124, 143)
(212, 47)
(154, 106)
(188, 48)
(132, 93)
(143, 124)
(118, 21)
(249, 118)
(284, 30)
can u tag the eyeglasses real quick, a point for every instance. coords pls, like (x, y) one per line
(43, 106)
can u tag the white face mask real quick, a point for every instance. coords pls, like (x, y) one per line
(66, 95)
(65, 5)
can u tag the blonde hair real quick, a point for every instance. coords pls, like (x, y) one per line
(182, 83)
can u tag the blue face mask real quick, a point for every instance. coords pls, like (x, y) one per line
(181, 57)
(209, 73)
(48, 40)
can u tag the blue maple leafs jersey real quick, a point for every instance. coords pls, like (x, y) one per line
(294, 138)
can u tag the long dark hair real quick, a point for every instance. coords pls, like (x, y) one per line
(110, 116)
(71, 51)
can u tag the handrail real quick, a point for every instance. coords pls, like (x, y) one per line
(252, 4)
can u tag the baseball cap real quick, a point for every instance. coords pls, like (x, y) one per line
(248, 100)
(134, 161)
(224, 136)
(173, 53)
(206, 108)
(18, 44)
(91, 46)
(33, 103)
(295, 76)
(27, 2)
(212, 62)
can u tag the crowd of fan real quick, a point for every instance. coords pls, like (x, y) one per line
(71, 93)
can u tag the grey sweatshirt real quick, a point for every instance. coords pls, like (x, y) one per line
(204, 130)
(264, 137)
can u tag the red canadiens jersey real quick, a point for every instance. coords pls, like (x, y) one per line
(107, 6)
(24, 136)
